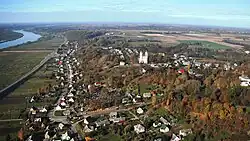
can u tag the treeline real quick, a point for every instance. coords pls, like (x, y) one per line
(156, 32)
(233, 42)
(78, 35)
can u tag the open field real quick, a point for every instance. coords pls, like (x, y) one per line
(14, 104)
(17, 61)
(14, 65)
(167, 38)
(206, 44)
(10, 128)
(175, 38)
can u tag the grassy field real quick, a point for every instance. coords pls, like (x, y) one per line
(10, 128)
(206, 44)
(15, 64)
(14, 104)
(110, 137)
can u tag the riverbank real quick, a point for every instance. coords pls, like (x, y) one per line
(9, 35)
(26, 38)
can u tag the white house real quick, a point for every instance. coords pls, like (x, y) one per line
(60, 126)
(143, 70)
(58, 108)
(155, 125)
(65, 136)
(70, 95)
(244, 78)
(46, 136)
(164, 129)
(143, 59)
(175, 138)
(139, 111)
(88, 129)
(85, 121)
(63, 103)
(164, 121)
(113, 115)
(43, 110)
(139, 128)
(185, 132)
(33, 112)
(122, 63)
(245, 81)
(71, 100)
(146, 95)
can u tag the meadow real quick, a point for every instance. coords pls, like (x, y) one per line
(205, 44)
(17, 61)
(14, 105)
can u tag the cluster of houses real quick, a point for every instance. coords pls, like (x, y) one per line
(40, 122)
(132, 98)
(162, 125)
(67, 75)
(245, 81)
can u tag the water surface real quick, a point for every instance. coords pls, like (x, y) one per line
(27, 37)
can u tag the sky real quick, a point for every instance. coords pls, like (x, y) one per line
(231, 13)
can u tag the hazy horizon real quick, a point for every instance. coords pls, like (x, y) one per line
(224, 13)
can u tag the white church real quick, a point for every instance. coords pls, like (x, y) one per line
(143, 59)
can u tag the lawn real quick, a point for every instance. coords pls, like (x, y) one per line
(145, 88)
(14, 65)
(110, 137)
(161, 112)
(206, 44)
(10, 128)
(12, 105)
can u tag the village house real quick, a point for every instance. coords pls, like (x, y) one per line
(185, 132)
(164, 121)
(245, 81)
(175, 138)
(156, 124)
(122, 63)
(139, 111)
(147, 95)
(139, 128)
(164, 129)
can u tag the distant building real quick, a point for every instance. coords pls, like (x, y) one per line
(245, 81)
(122, 63)
(164, 129)
(143, 59)
(185, 132)
(139, 111)
(139, 128)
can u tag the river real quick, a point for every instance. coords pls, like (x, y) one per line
(27, 37)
